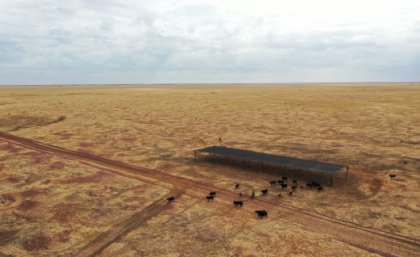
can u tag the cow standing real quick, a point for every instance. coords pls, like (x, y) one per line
(210, 198)
(238, 203)
(262, 214)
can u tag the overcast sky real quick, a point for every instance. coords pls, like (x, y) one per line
(210, 41)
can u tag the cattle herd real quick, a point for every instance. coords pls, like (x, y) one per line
(263, 213)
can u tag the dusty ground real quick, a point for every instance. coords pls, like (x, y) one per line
(51, 206)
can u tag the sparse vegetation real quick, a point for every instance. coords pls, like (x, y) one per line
(51, 205)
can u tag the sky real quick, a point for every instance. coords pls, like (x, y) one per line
(208, 41)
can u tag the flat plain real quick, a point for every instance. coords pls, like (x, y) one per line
(85, 170)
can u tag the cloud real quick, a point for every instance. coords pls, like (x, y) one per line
(129, 41)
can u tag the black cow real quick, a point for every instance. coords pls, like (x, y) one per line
(294, 187)
(212, 193)
(170, 199)
(264, 191)
(290, 193)
(320, 188)
(237, 186)
(238, 203)
(392, 176)
(261, 214)
(295, 181)
(210, 198)
(280, 182)
(284, 178)
(273, 183)
(309, 184)
(283, 186)
(279, 195)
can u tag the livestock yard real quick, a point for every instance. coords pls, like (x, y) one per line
(87, 170)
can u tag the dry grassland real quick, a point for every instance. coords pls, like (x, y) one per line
(53, 206)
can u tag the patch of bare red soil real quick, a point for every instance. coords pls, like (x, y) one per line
(336, 145)
(33, 192)
(10, 148)
(7, 235)
(238, 251)
(84, 144)
(38, 242)
(14, 179)
(8, 198)
(63, 134)
(64, 213)
(38, 157)
(27, 205)
(206, 235)
(375, 186)
(63, 237)
(95, 178)
(57, 165)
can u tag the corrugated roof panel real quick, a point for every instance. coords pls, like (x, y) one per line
(294, 163)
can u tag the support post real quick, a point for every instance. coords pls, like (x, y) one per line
(347, 172)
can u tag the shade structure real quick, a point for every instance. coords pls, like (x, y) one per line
(270, 159)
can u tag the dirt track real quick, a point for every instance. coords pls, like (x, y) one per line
(372, 240)
(105, 239)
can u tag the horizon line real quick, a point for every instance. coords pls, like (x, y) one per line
(212, 83)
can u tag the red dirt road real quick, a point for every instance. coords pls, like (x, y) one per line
(371, 240)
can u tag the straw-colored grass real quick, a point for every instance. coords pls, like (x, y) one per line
(50, 205)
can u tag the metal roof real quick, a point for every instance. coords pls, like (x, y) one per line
(290, 162)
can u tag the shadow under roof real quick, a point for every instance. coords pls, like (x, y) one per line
(290, 162)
